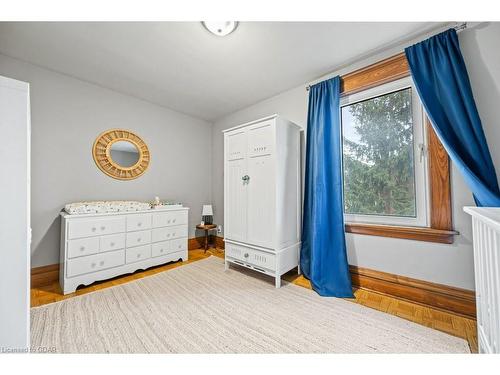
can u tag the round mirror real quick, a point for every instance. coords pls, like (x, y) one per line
(121, 154)
(124, 153)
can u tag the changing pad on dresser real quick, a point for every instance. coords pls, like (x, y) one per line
(77, 208)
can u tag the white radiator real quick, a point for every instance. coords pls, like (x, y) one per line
(486, 230)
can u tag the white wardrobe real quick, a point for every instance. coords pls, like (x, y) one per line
(262, 196)
(15, 232)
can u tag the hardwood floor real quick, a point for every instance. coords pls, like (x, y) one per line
(452, 324)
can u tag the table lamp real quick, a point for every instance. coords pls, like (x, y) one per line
(207, 214)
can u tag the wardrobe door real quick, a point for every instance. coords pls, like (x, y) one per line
(235, 189)
(15, 232)
(261, 185)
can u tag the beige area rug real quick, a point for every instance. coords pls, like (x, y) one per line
(199, 308)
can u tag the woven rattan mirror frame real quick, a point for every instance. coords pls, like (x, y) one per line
(101, 151)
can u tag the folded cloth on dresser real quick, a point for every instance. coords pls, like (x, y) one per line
(93, 207)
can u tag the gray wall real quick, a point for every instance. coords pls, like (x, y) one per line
(445, 264)
(67, 115)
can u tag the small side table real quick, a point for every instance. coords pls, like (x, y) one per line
(206, 228)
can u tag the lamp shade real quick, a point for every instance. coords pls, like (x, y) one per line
(207, 210)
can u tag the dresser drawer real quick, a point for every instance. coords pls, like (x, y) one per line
(95, 263)
(163, 219)
(83, 246)
(138, 238)
(138, 222)
(178, 245)
(161, 248)
(169, 233)
(95, 227)
(251, 256)
(112, 242)
(136, 254)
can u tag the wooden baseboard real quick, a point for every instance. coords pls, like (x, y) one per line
(219, 242)
(443, 297)
(454, 300)
(196, 243)
(46, 275)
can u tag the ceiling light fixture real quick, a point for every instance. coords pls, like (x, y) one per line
(220, 28)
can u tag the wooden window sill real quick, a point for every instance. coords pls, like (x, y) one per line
(410, 233)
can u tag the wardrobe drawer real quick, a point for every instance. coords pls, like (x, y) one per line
(161, 248)
(138, 222)
(136, 254)
(83, 246)
(95, 227)
(95, 263)
(169, 233)
(112, 242)
(138, 238)
(163, 219)
(234, 251)
(251, 256)
(178, 245)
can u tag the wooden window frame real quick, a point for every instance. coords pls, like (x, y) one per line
(441, 226)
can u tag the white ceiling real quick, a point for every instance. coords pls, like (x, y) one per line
(181, 66)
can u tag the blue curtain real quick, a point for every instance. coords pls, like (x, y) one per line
(323, 257)
(438, 70)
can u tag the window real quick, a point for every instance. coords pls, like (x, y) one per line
(422, 214)
(384, 159)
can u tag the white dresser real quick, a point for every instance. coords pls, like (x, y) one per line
(100, 246)
(486, 232)
(262, 196)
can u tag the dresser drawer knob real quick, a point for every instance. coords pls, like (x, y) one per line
(139, 224)
(246, 255)
(168, 234)
(112, 244)
(139, 239)
(101, 263)
(179, 246)
(93, 265)
(173, 221)
(173, 234)
(82, 248)
(138, 255)
(103, 227)
(168, 222)
(161, 250)
(94, 229)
